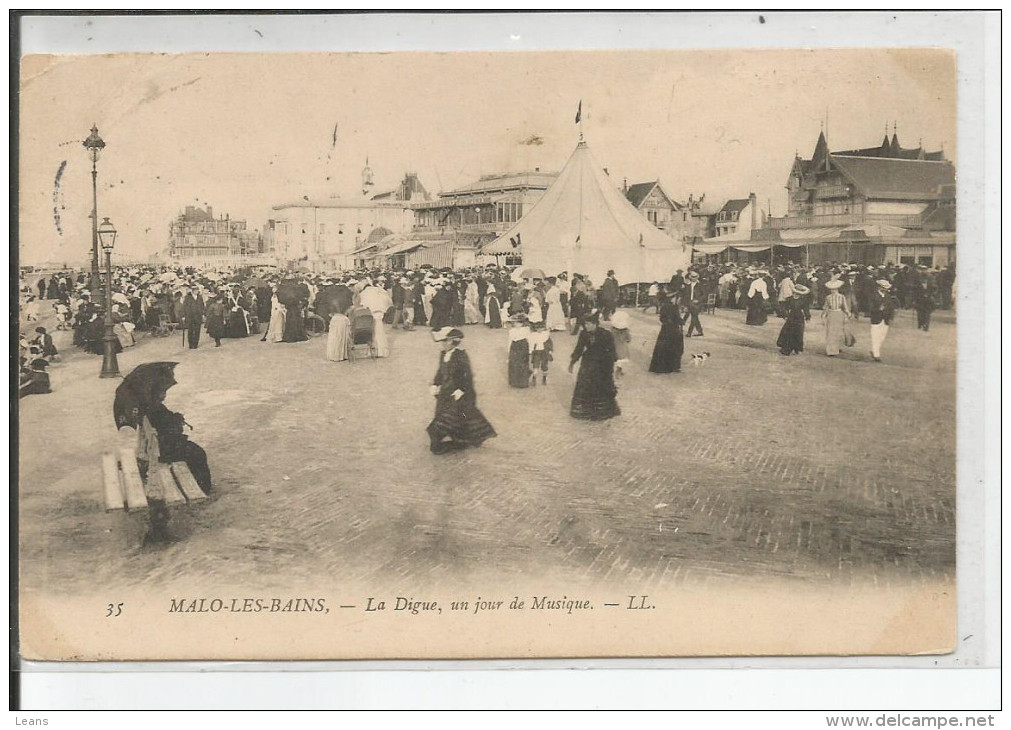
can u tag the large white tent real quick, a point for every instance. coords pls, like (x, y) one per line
(584, 224)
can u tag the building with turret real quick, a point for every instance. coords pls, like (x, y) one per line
(874, 205)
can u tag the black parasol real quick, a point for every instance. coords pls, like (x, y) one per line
(138, 390)
(289, 293)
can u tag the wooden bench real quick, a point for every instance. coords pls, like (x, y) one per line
(172, 484)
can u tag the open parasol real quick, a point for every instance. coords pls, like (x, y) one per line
(136, 394)
(528, 274)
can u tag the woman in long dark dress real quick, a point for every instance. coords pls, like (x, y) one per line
(594, 398)
(215, 319)
(519, 354)
(457, 316)
(442, 306)
(670, 343)
(294, 323)
(492, 311)
(791, 337)
(458, 423)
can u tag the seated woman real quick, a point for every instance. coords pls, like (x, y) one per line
(173, 444)
(122, 326)
(33, 378)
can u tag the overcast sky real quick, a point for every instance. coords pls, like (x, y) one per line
(244, 132)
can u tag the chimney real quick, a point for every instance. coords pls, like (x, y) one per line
(624, 184)
(753, 202)
(210, 212)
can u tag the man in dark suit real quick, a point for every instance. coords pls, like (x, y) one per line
(399, 295)
(193, 316)
(693, 295)
(881, 308)
(608, 296)
(677, 282)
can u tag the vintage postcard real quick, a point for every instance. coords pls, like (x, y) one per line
(480, 355)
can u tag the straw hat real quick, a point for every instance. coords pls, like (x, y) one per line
(834, 284)
(884, 284)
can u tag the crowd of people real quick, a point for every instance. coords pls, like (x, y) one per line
(530, 305)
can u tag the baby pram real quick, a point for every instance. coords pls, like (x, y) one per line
(362, 335)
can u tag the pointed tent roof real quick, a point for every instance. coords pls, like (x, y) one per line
(584, 224)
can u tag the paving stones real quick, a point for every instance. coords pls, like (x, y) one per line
(753, 465)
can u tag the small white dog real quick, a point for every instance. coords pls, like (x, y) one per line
(699, 358)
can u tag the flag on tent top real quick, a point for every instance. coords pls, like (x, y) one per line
(579, 111)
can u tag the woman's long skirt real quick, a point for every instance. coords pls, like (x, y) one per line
(456, 318)
(668, 350)
(124, 335)
(791, 337)
(595, 396)
(275, 330)
(493, 315)
(835, 323)
(379, 338)
(459, 420)
(337, 338)
(519, 364)
(237, 325)
(555, 318)
(756, 311)
(420, 316)
(471, 312)
(294, 326)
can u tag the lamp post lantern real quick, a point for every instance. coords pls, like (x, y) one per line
(94, 145)
(110, 366)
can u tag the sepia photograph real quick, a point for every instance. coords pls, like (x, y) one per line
(583, 353)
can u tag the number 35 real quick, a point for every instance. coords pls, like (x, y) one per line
(113, 610)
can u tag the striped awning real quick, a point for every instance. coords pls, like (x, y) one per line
(436, 254)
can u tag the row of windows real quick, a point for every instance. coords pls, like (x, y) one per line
(723, 215)
(834, 208)
(508, 212)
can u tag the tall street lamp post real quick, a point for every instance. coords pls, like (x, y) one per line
(110, 366)
(94, 145)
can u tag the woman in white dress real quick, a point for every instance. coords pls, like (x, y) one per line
(555, 320)
(426, 299)
(275, 330)
(378, 301)
(472, 305)
(337, 339)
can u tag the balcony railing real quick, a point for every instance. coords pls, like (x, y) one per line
(846, 219)
(467, 227)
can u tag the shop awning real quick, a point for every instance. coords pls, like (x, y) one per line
(363, 249)
(403, 247)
